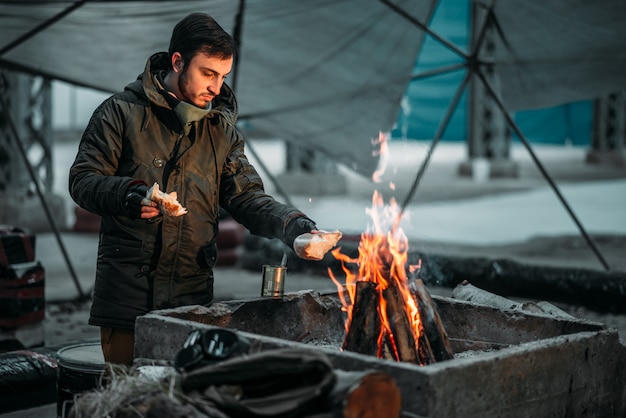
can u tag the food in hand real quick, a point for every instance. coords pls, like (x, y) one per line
(168, 202)
(315, 246)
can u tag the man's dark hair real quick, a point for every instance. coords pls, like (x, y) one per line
(199, 32)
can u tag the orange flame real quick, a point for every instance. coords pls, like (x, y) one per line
(382, 259)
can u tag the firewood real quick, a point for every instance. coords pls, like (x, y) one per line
(554, 311)
(424, 350)
(365, 328)
(362, 334)
(387, 351)
(408, 350)
(591, 288)
(431, 322)
(364, 394)
(468, 292)
(404, 340)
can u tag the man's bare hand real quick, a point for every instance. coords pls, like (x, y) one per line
(149, 209)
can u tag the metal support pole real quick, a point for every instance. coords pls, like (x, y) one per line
(543, 171)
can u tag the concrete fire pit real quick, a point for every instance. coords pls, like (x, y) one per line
(506, 363)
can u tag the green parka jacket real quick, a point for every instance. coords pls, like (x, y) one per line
(167, 261)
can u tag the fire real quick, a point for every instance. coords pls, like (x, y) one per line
(382, 260)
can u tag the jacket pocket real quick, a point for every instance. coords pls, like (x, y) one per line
(123, 279)
(124, 250)
(207, 255)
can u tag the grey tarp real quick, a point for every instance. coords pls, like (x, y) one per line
(551, 52)
(325, 74)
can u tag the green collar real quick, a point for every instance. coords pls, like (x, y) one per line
(186, 112)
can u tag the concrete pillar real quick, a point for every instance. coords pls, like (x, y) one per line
(310, 172)
(488, 136)
(28, 99)
(608, 140)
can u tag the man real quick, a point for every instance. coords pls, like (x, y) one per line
(175, 126)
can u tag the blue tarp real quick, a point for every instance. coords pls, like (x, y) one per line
(426, 100)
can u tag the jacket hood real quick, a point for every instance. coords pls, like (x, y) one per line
(225, 104)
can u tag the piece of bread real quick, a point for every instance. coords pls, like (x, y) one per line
(168, 202)
(315, 246)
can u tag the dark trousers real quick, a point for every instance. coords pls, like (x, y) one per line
(118, 345)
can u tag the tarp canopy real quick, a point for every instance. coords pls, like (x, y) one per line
(325, 74)
(550, 52)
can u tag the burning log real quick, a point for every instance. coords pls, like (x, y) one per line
(432, 324)
(402, 346)
(365, 324)
(384, 317)
(367, 334)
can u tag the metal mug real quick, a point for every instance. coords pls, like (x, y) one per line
(273, 281)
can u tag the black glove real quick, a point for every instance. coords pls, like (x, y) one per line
(298, 226)
(134, 195)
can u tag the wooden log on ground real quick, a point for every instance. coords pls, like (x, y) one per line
(432, 324)
(468, 292)
(362, 334)
(364, 394)
(594, 289)
(554, 310)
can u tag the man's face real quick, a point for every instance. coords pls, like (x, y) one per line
(202, 78)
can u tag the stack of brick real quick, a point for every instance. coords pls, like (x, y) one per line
(22, 291)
